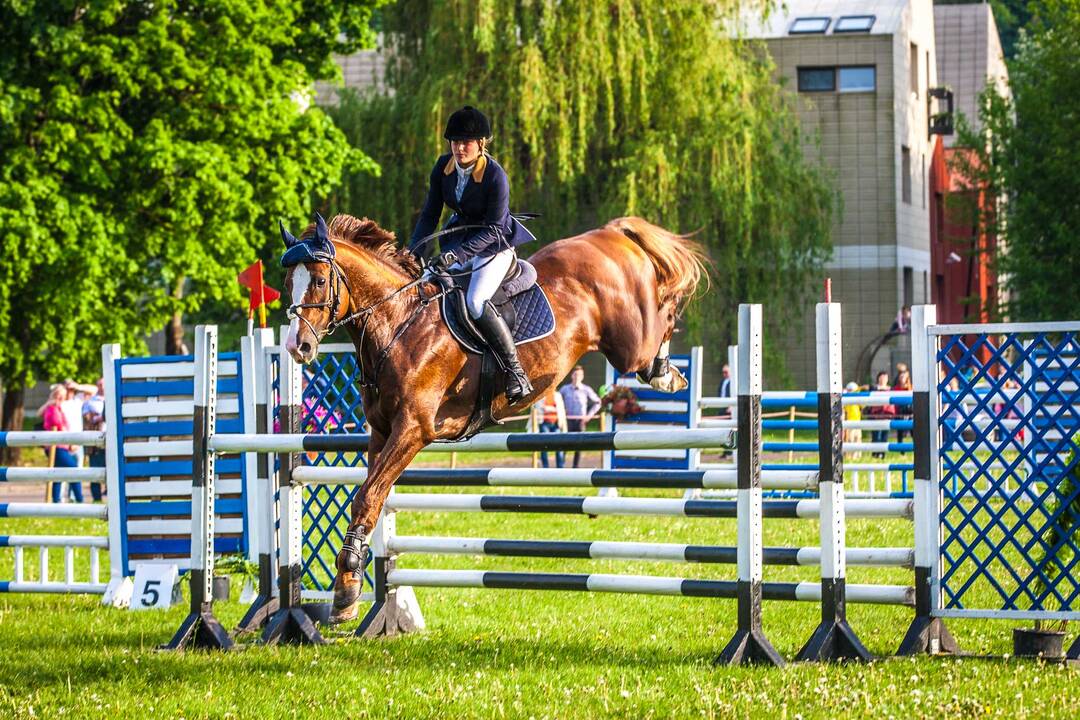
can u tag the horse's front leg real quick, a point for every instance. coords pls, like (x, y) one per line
(386, 462)
(661, 374)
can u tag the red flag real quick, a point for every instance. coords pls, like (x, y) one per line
(252, 279)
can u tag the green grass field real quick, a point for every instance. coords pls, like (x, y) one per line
(512, 654)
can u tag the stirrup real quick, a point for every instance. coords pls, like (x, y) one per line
(521, 381)
(356, 549)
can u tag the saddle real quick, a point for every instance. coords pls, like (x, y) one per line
(526, 311)
(521, 278)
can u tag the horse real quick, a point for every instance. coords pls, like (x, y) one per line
(618, 289)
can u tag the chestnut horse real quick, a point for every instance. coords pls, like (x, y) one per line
(618, 289)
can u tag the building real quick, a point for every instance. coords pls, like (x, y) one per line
(864, 73)
(965, 286)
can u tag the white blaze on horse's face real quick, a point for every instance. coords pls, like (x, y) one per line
(301, 280)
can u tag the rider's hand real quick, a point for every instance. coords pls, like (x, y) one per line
(444, 261)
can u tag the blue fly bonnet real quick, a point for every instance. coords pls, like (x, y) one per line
(314, 249)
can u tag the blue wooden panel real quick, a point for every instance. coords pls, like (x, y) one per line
(153, 508)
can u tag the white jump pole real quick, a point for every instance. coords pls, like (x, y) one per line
(749, 644)
(200, 629)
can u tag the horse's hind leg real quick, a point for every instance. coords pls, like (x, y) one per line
(384, 468)
(661, 374)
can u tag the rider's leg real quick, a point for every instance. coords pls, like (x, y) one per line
(486, 278)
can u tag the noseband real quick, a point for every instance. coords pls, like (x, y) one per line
(334, 304)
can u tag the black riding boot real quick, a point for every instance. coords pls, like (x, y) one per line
(497, 334)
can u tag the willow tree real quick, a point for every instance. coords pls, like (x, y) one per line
(601, 109)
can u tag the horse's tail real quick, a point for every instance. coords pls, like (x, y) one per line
(680, 262)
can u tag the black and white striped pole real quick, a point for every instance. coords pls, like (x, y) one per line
(749, 644)
(927, 634)
(290, 624)
(200, 628)
(260, 478)
(833, 639)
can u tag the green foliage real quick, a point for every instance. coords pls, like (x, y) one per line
(146, 153)
(645, 107)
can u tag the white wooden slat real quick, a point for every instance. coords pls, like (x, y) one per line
(173, 408)
(157, 448)
(222, 526)
(179, 488)
(170, 370)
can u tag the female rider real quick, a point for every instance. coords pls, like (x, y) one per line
(474, 186)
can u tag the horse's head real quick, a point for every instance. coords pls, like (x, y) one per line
(338, 274)
(314, 284)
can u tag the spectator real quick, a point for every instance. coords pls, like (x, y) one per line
(902, 324)
(884, 411)
(581, 403)
(903, 384)
(93, 413)
(724, 390)
(54, 420)
(77, 394)
(551, 412)
(852, 413)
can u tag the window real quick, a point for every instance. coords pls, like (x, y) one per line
(856, 79)
(817, 79)
(914, 69)
(909, 286)
(809, 26)
(853, 24)
(925, 286)
(905, 174)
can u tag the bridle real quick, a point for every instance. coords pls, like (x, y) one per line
(334, 303)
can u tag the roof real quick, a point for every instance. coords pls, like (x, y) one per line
(888, 15)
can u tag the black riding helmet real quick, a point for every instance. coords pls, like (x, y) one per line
(468, 123)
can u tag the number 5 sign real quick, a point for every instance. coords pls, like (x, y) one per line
(153, 586)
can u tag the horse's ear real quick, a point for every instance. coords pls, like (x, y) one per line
(287, 236)
(322, 235)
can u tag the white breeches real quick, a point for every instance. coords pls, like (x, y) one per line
(488, 274)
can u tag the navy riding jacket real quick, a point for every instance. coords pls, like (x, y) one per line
(485, 201)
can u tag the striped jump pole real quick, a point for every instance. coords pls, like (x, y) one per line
(200, 629)
(485, 442)
(927, 634)
(834, 638)
(253, 354)
(290, 624)
(749, 643)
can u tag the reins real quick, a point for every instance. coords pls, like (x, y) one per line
(335, 299)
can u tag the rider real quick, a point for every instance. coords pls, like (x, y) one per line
(475, 187)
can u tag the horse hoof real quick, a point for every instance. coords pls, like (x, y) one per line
(345, 603)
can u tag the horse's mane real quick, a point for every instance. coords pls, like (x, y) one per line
(367, 234)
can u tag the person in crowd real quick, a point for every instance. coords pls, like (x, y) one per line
(724, 390)
(852, 413)
(54, 420)
(93, 414)
(550, 411)
(903, 384)
(581, 403)
(77, 394)
(901, 325)
(881, 412)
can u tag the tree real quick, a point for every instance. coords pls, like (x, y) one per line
(147, 151)
(647, 107)
(1028, 153)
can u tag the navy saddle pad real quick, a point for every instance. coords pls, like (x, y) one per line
(529, 314)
